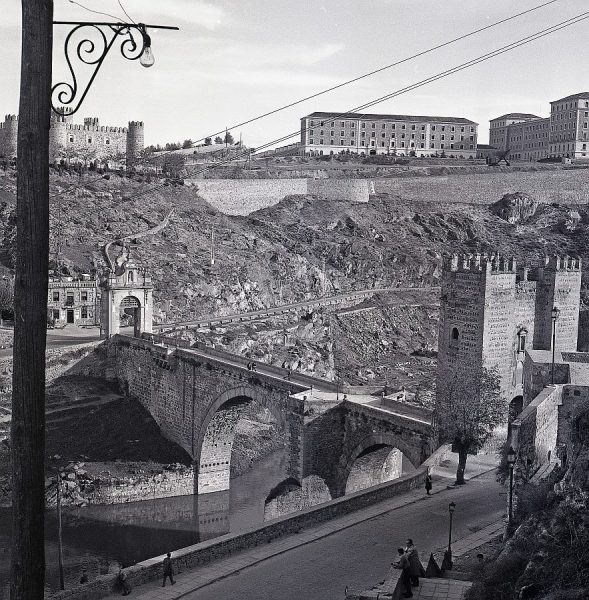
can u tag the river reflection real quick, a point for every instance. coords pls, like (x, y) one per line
(102, 538)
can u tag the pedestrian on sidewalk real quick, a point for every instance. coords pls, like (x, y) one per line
(168, 570)
(428, 483)
(125, 585)
(415, 567)
(403, 564)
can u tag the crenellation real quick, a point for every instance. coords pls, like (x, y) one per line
(490, 317)
(68, 139)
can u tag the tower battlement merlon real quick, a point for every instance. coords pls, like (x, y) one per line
(13, 118)
(563, 263)
(477, 263)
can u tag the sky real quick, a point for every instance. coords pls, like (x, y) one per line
(235, 59)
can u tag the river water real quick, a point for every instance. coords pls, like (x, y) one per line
(103, 538)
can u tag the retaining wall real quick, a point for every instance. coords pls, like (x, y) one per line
(244, 196)
(205, 552)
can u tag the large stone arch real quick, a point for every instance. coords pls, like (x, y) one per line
(375, 449)
(216, 434)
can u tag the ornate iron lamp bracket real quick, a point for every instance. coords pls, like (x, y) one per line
(92, 52)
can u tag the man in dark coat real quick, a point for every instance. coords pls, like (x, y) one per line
(416, 568)
(168, 570)
(403, 564)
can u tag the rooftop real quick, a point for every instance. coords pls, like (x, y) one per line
(572, 97)
(375, 117)
(516, 116)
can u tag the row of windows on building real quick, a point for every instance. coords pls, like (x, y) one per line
(566, 106)
(89, 140)
(392, 135)
(393, 142)
(69, 296)
(85, 313)
(391, 125)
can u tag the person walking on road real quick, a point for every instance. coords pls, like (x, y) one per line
(403, 564)
(428, 483)
(168, 570)
(415, 567)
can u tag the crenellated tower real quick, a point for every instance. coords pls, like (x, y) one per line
(8, 136)
(491, 312)
(135, 142)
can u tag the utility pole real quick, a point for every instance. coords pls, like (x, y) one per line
(27, 575)
(212, 244)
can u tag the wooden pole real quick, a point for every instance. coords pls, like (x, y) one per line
(30, 305)
(59, 534)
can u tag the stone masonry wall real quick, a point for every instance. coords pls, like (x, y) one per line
(244, 196)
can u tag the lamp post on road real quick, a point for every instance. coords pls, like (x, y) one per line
(447, 562)
(511, 457)
(554, 314)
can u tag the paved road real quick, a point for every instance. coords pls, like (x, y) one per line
(265, 312)
(360, 555)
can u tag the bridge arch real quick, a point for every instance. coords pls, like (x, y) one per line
(214, 441)
(378, 458)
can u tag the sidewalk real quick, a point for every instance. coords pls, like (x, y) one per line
(189, 581)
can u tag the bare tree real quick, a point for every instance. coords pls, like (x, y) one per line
(470, 407)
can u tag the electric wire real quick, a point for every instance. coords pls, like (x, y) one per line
(497, 52)
(379, 70)
(96, 12)
(365, 75)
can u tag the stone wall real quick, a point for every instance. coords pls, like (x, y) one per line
(244, 196)
(534, 434)
(206, 552)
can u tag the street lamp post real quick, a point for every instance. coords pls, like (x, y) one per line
(511, 457)
(447, 562)
(554, 313)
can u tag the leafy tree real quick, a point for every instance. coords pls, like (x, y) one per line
(218, 140)
(469, 410)
(187, 144)
(208, 141)
(173, 164)
(229, 138)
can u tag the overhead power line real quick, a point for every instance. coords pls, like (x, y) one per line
(380, 69)
(348, 82)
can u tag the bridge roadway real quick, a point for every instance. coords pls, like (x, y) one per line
(313, 388)
(285, 308)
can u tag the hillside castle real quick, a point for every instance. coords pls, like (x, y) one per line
(90, 140)
(491, 313)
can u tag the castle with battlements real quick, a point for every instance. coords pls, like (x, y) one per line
(492, 312)
(90, 141)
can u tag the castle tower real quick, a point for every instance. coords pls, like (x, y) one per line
(477, 318)
(91, 122)
(128, 290)
(559, 285)
(9, 136)
(135, 142)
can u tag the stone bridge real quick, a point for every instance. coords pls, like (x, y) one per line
(197, 395)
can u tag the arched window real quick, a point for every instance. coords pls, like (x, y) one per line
(455, 333)
(521, 340)
(130, 277)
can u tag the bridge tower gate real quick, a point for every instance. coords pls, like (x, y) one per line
(128, 290)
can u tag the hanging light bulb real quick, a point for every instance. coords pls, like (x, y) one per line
(147, 59)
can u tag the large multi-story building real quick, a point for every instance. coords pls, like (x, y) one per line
(403, 135)
(89, 141)
(561, 135)
(491, 313)
(73, 301)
